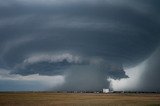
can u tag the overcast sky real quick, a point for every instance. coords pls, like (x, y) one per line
(79, 45)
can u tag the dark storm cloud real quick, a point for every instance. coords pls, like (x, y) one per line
(90, 77)
(99, 27)
(120, 33)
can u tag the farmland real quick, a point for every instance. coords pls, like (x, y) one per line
(77, 99)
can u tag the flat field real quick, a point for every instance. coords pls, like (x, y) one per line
(78, 99)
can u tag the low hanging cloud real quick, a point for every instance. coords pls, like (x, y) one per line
(47, 64)
(143, 77)
(17, 82)
(90, 72)
(53, 58)
(86, 42)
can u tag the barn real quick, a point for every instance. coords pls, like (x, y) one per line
(105, 90)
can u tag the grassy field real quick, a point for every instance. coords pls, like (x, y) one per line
(71, 99)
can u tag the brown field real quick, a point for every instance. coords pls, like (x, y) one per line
(77, 99)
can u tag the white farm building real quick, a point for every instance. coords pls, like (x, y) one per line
(105, 90)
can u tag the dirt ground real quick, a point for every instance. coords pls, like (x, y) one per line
(78, 99)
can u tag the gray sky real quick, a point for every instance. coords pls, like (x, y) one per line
(79, 44)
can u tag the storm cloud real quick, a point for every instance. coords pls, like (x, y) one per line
(86, 42)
